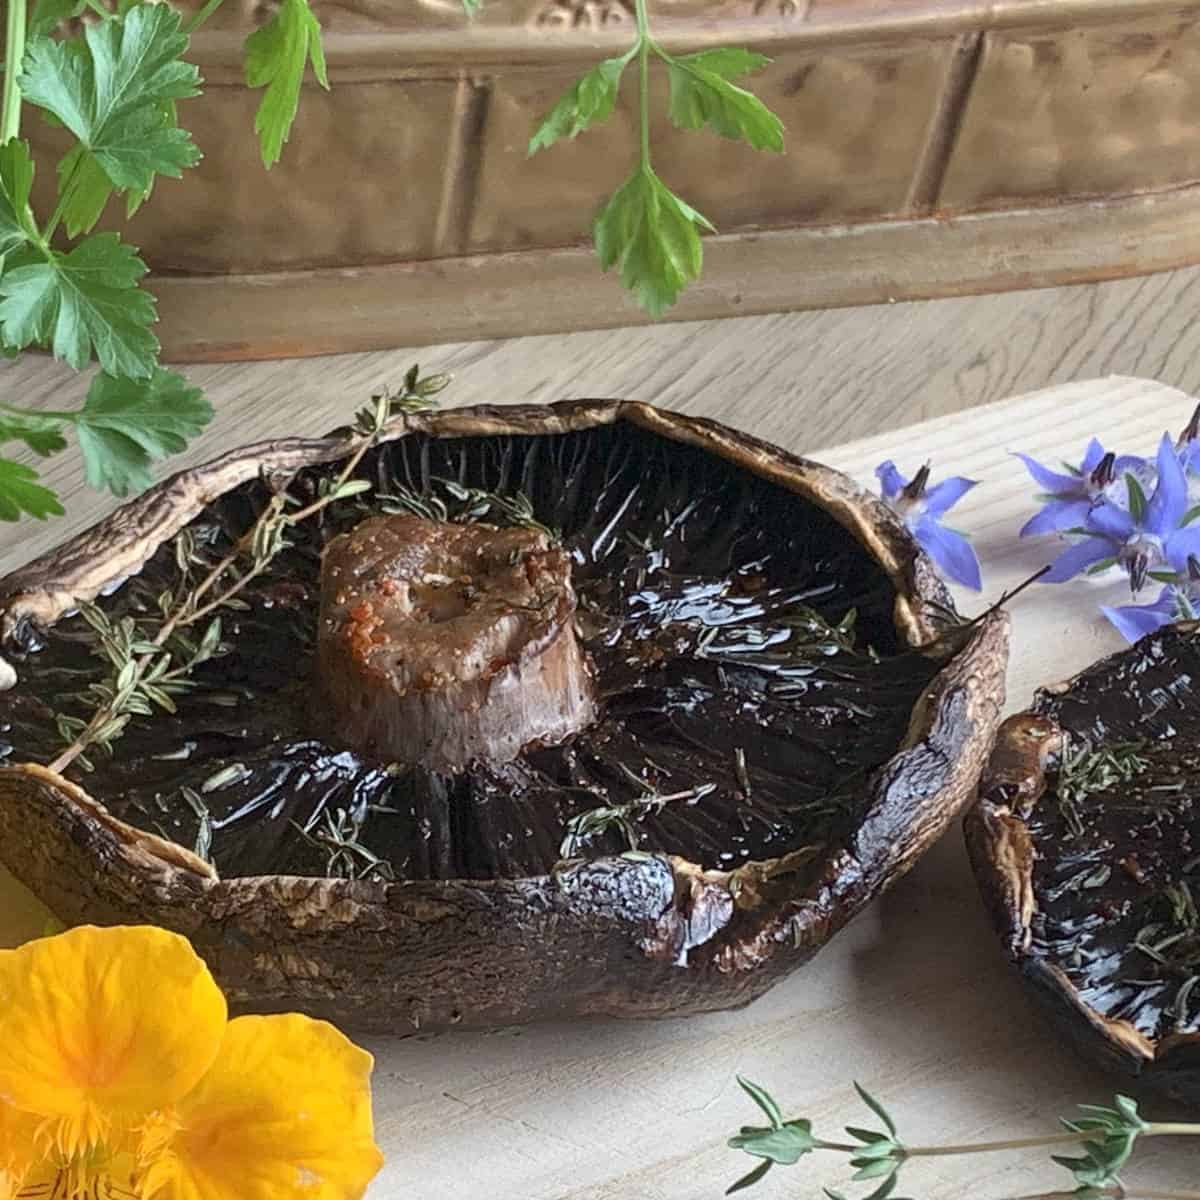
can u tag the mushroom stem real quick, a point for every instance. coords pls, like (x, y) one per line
(441, 644)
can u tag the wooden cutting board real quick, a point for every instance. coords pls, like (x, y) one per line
(914, 1000)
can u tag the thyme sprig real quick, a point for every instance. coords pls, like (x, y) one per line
(1172, 943)
(585, 827)
(1086, 770)
(150, 661)
(474, 504)
(1104, 1138)
(143, 674)
(338, 835)
(809, 635)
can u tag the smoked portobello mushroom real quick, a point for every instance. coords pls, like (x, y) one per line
(513, 713)
(1085, 841)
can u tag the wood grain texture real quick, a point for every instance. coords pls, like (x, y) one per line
(915, 998)
(803, 380)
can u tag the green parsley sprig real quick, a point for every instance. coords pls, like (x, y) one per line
(647, 232)
(1104, 1137)
(115, 87)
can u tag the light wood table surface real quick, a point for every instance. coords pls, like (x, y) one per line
(914, 999)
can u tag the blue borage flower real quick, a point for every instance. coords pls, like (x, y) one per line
(1188, 444)
(1070, 497)
(1146, 537)
(921, 508)
(1179, 601)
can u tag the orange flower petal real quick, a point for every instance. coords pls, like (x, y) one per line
(104, 1026)
(285, 1114)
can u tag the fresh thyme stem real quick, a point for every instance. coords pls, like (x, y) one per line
(264, 541)
(14, 52)
(1104, 1137)
(1117, 1193)
(1029, 1143)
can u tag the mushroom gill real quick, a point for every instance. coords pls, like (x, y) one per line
(719, 660)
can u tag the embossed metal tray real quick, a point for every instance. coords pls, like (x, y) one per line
(935, 147)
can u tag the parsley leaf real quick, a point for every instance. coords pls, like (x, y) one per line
(115, 92)
(275, 59)
(650, 234)
(16, 180)
(701, 94)
(40, 434)
(589, 101)
(83, 300)
(127, 423)
(20, 493)
(48, 15)
(472, 7)
(87, 188)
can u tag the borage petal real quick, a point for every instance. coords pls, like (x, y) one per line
(1077, 558)
(1134, 621)
(285, 1113)
(1111, 522)
(1167, 506)
(891, 482)
(1091, 456)
(943, 496)
(1057, 516)
(1133, 464)
(104, 1026)
(951, 551)
(1053, 482)
(1180, 545)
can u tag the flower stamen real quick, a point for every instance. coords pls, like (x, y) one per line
(915, 488)
(1104, 474)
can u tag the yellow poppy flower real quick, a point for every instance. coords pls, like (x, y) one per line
(16, 1149)
(121, 1075)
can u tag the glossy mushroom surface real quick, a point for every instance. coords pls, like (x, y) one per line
(785, 714)
(1086, 845)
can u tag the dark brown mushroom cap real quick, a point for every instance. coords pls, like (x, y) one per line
(629, 934)
(1069, 900)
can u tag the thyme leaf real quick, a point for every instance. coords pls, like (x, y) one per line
(150, 660)
(586, 827)
(1104, 1137)
(1086, 770)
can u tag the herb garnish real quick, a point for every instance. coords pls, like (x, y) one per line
(1172, 943)
(473, 504)
(1105, 1138)
(115, 87)
(586, 827)
(338, 835)
(645, 230)
(151, 659)
(809, 635)
(1086, 770)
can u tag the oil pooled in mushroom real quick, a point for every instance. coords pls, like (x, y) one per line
(747, 671)
(1117, 835)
